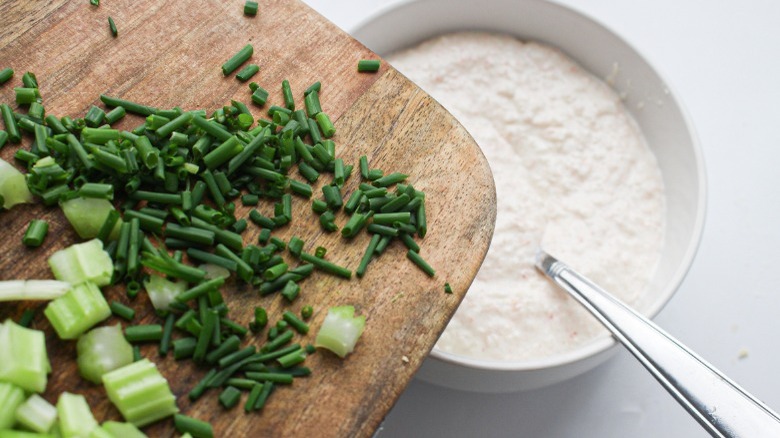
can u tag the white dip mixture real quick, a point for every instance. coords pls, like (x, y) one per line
(570, 164)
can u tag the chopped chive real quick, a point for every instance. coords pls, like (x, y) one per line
(312, 103)
(271, 377)
(121, 310)
(307, 311)
(420, 262)
(447, 288)
(296, 323)
(5, 75)
(368, 65)
(301, 188)
(143, 333)
(254, 393)
(370, 250)
(239, 58)
(192, 426)
(165, 341)
(229, 397)
(250, 8)
(250, 70)
(390, 179)
(287, 94)
(323, 121)
(290, 291)
(112, 27)
(36, 232)
(131, 107)
(326, 266)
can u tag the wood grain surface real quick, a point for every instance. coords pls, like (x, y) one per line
(169, 53)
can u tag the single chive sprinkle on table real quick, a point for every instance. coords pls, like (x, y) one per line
(239, 58)
(247, 72)
(250, 8)
(112, 26)
(447, 288)
(36, 232)
(368, 65)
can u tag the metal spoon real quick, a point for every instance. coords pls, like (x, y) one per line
(721, 406)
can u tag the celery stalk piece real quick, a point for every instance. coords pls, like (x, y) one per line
(99, 432)
(24, 360)
(8, 433)
(77, 311)
(122, 430)
(340, 330)
(83, 262)
(162, 292)
(36, 414)
(140, 392)
(13, 186)
(11, 397)
(87, 215)
(101, 350)
(20, 290)
(75, 416)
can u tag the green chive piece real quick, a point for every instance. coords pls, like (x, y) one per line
(121, 310)
(307, 311)
(5, 75)
(131, 107)
(296, 323)
(250, 8)
(326, 266)
(370, 250)
(368, 65)
(290, 291)
(287, 94)
(447, 288)
(36, 233)
(192, 426)
(247, 72)
(229, 397)
(239, 58)
(323, 121)
(143, 333)
(112, 27)
(420, 262)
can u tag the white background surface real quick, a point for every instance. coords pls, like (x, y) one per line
(723, 61)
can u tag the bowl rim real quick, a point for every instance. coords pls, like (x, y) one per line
(602, 342)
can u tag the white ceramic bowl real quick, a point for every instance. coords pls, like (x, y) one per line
(663, 121)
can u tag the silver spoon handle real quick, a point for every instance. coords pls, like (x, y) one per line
(721, 406)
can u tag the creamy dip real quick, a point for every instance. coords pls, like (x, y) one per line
(570, 165)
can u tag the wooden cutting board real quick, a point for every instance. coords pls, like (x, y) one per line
(168, 54)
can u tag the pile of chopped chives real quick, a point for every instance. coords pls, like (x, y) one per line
(179, 174)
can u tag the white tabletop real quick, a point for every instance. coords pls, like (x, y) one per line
(723, 61)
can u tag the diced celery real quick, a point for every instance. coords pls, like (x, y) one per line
(87, 215)
(75, 312)
(340, 330)
(23, 434)
(36, 414)
(162, 292)
(83, 262)
(18, 290)
(75, 416)
(99, 432)
(13, 186)
(123, 430)
(102, 350)
(24, 360)
(140, 392)
(11, 396)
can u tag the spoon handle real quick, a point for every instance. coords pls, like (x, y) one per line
(721, 406)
